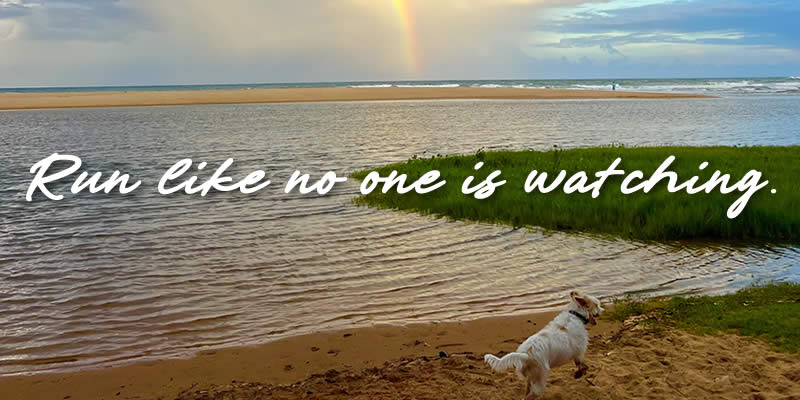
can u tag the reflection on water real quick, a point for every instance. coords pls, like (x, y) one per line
(95, 280)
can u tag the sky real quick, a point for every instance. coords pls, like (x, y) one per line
(143, 42)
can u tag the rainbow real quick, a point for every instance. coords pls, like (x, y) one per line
(404, 13)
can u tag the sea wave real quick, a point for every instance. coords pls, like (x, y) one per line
(720, 86)
(507, 86)
(386, 85)
(445, 85)
(593, 87)
(730, 86)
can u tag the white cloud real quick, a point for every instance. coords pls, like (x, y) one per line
(187, 41)
(83, 42)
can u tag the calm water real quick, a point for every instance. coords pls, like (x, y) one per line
(97, 280)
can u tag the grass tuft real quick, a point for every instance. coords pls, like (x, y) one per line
(770, 312)
(658, 215)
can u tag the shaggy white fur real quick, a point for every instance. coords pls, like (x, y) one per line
(564, 339)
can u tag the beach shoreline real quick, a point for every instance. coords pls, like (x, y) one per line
(280, 362)
(48, 100)
(437, 360)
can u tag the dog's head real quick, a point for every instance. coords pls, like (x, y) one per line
(589, 303)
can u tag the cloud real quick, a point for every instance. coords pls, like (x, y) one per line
(194, 41)
(13, 8)
(759, 22)
(756, 34)
(610, 42)
(63, 20)
(82, 42)
(610, 49)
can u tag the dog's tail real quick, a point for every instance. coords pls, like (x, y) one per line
(516, 360)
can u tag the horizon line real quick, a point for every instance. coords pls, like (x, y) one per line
(142, 85)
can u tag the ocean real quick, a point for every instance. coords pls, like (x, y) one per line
(710, 86)
(99, 280)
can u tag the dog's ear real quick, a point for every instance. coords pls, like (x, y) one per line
(590, 304)
(579, 299)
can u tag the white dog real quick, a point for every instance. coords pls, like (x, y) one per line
(564, 339)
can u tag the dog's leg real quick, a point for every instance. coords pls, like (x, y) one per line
(536, 379)
(581, 367)
(536, 386)
(530, 395)
(528, 373)
(528, 390)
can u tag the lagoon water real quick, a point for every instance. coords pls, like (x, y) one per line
(97, 280)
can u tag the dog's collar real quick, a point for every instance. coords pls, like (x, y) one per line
(580, 316)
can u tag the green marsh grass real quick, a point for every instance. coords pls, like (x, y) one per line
(658, 215)
(770, 312)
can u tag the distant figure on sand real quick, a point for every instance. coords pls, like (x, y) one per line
(613, 85)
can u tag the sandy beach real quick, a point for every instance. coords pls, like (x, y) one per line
(21, 101)
(440, 361)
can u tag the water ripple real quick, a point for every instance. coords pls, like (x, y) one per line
(95, 280)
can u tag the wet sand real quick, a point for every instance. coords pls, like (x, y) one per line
(440, 361)
(20, 101)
